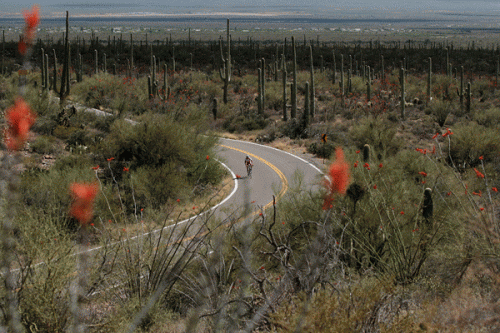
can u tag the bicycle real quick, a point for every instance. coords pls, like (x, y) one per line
(249, 171)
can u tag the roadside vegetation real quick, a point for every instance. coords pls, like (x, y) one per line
(404, 237)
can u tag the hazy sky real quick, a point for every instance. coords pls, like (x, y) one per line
(172, 6)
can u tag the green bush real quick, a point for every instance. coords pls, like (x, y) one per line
(356, 308)
(44, 145)
(245, 122)
(64, 133)
(379, 133)
(108, 91)
(381, 221)
(165, 158)
(471, 140)
(44, 302)
(294, 128)
(48, 191)
(488, 118)
(440, 110)
(323, 150)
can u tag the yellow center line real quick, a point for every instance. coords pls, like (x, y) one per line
(284, 188)
(284, 181)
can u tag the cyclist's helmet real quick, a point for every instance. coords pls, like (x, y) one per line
(247, 157)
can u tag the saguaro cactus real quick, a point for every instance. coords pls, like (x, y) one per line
(284, 73)
(263, 82)
(154, 83)
(131, 54)
(65, 73)
(403, 91)
(448, 71)
(80, 70)
(349, 81)
(3, 53)
(468, 101)
(460, 91)
(369, 84)
(366, 153)
(293, 111)
(312, 93)
(225, 71)
(342, 86)
(428, 206)
(46, 72)
(43, 68)
(334, 76)
(150, 88)
(497, 70)
(173, 59)
(260, 99)
(54, 71)
(166, 88)
(214, 108)
(96, 61)
(382, 68)
(429, 80)
(307, 104)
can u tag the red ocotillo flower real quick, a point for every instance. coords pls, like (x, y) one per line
(338, 178)
(83, 201)
(31, 18)
(478, 173)
(19, 119)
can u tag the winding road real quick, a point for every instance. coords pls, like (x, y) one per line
(272, 174)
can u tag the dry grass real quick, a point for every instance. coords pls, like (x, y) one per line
(175, 211)
(472, 306)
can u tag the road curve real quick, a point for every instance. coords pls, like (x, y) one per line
(272, 174)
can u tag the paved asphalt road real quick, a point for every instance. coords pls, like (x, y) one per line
(273, 173)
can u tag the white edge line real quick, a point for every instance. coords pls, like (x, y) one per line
(184, 221)
(169, 226)
(214, 207)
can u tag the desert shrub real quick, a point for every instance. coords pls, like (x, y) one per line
(63, 132)
(294, 128)
(44, 302)
(443, 88)
(43, 145)
(245, 122)
(378, 132)
(366, 305)
(41, 103)
(7, 93)
(415, 88)
(274, 95)
(358, 85)
(381, 219)
(440, 110)
(470, 141)
(164, 157)
(78, 138)
(45, 125)
(48, 191)
(482, 88)
(323, 150)
(207, 85)
(488, 118)
(155, 320)
(268, 135)
(108, 91)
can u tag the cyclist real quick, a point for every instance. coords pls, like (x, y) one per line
(249, 165)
